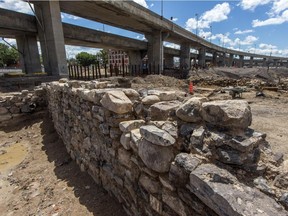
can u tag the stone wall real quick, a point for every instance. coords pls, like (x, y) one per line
(13, 105)
(161, 153)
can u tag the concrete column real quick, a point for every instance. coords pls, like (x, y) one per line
(135, 57)
(29, 57)
(251, 62)
(185, 56)
(155, 49)
(214, 59)
(230, 62)
(275, 63)
(50, 32)
(202, 57)
(264, 62)
(241, 61)
(169, 61)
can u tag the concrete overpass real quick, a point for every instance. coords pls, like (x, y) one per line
(126, 15)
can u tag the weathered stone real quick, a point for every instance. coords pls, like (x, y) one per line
(197, 137)
(173, 202)
(131, 94)
(222, 192)
(284, 200)
(5, 117)
(152, 186)
(245, 145)
(157, 158)
(190, 111)
(116, 101)
(127, 126)
(125, 140)
(135, 139)
(262, 185)
(150, 99)
(166, 183)
(230, 156)
(281, 181)
(171, 128)
(115, 133)
(164, 95)
(124, 157)
(229, 113)
(3, 111)
(155, 204)
(163, 110)
(104, 128)
(181, 168)
(186, 130)
(156, 136)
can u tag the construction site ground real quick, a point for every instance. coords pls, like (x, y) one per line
(37, 176)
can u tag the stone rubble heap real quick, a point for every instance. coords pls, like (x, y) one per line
(16, 104)
(161, 153)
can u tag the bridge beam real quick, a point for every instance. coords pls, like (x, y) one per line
(50, 32)
(29, 54)
(185, 56)
(155, 49)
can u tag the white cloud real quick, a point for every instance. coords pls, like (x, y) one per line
(239, 32)
(252, 4)
(217, 14)
(279, 6)
(16, 5)
(9, 40)
(72, 51)
(174, 19)
(151, 5)
(272, 21)
(69, 16)
(171, 45)
(141, 2)
(267, 46)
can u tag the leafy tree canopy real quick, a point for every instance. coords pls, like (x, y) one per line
(8, 55)
(85, 59)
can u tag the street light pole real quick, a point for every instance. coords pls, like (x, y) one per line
(161, 9)
(211, 33)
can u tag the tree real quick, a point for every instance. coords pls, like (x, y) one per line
(85, 59)
(8, 55)
(102, 57)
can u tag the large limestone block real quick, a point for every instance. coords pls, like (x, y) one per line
(190, 111)
(229, 113)
(150, 99)
(164, 95)
(222, 192)
(157, 158)
(156, 136)
(117, 102)
(163, 110)
(127, 126)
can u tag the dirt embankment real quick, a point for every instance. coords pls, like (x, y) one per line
(37, 176)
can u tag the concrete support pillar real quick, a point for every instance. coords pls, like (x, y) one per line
(214, 59)
(251, 62)
(50, 32)
(241, 61)
(155, 49)
(230, 62)
(29, 57)
(275, 63)
(202, 57)
(264, 62)
(169, 61)
(135, 57)
(185, 56)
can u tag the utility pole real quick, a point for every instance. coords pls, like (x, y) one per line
(211, 33)
(161, 9)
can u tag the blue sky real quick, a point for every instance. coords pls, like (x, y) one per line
(259, 26)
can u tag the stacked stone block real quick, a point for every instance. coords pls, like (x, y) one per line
(160, 153)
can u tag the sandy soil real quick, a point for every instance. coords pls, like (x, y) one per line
(37, 176)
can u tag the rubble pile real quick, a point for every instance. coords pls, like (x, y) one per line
(163, 153)
(16, 104)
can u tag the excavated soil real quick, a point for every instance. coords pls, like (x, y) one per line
(37, 176)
